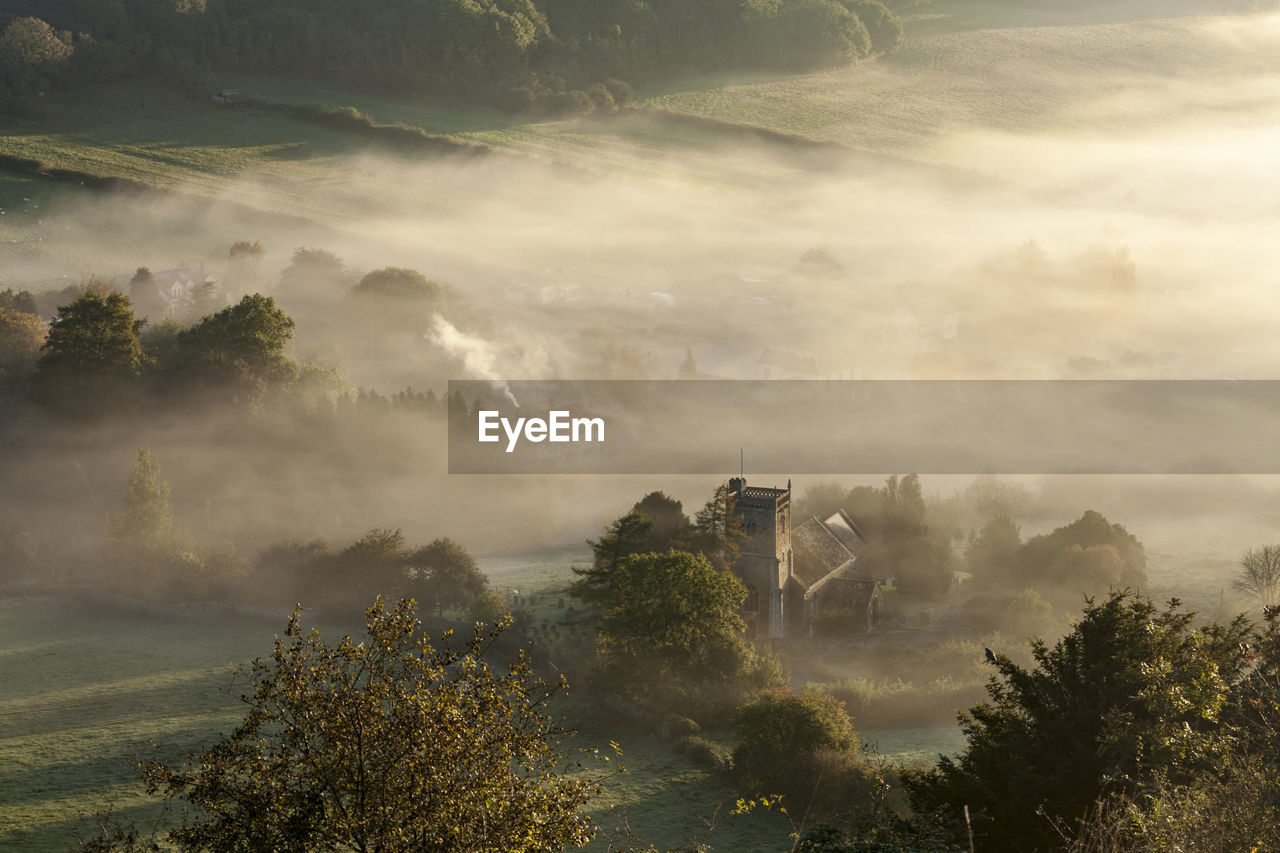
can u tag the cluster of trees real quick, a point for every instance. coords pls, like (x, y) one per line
(1135, 704)
(520, 54)
(439, 575)
(22, 334)
(96, 360)
(148, 553)
(666, 606)
(1021, 586)
(107, 353)
(1137, 731)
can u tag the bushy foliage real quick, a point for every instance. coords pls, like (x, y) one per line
(1131, 693)
(778, 734)
(22, 335)
(671, 638)
(538, 55)
(399, 284)
(237, 352)
(390, 743)
(1234, 807)
(91, 356)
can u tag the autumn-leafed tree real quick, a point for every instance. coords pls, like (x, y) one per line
(386, 743)
(21, 337)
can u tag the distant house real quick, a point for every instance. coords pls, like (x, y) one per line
(226, 96)
(187, 291)
(797, 577)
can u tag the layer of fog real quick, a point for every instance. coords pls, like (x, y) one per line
(1131, 239)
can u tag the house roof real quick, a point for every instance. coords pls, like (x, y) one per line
(816, 552)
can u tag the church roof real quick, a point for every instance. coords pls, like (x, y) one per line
(816, 552)
(847, 531)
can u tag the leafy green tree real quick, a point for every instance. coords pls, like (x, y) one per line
(883, 27)
(244, 267)
(144, 548)
(387, 744)
(1130, 694)
(91, 357)
(671, 635)
(398, 283)
(489, 607)
(779, 732)
(445, 575)
(239, 351)
(31, 53)
(312, 273)
(717, 533)
(375, 564)
(669, 527)
(289, 571)
(627, 536)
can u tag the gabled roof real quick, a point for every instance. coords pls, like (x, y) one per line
(847, 531)
(816, 553)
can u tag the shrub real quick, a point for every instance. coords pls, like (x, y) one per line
(779, 733)
(703, 752)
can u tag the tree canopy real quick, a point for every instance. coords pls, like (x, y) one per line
(671, 634)
(389, 743)
(239, 351)
(91, 356)
(1131, 693)
(544, 55)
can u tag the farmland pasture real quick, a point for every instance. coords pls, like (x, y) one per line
(85, 691)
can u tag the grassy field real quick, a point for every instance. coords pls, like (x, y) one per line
(85, 692)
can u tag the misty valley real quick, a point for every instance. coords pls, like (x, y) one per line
(265, 266)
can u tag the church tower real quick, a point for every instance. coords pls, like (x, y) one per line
(764, 560)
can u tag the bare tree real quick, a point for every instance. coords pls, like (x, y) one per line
(1260, 574)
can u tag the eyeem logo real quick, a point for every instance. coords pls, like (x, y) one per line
(559, 426)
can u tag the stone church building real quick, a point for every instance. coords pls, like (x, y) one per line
(799, 578)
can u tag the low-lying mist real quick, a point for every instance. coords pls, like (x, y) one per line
(1129, 236)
